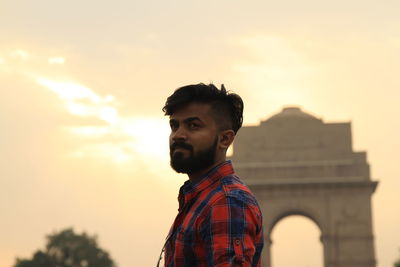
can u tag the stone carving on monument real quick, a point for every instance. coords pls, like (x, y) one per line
(298, 165)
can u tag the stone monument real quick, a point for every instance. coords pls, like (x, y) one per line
(298, 165)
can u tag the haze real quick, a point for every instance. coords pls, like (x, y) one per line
(84, 143)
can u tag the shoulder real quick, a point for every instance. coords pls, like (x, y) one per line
(230, 194)
(236, 190)
(233, 209)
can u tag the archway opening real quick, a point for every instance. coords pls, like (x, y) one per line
(296, 242)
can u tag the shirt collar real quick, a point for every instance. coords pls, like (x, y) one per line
(190, 190)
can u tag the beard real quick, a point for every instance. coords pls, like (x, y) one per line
(195, 161)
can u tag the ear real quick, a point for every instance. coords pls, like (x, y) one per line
(226, 138)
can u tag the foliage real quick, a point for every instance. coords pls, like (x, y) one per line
(397, 263)
(67, 249)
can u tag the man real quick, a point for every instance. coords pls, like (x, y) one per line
(219, 222)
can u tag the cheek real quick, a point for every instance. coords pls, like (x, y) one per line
(205, 142)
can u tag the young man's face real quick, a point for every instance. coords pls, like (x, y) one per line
(193, 139)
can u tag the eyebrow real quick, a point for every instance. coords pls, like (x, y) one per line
(187, 120)
(192, 119)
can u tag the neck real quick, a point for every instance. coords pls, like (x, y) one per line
(196, 176)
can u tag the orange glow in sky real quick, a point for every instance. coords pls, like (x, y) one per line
(85, 143)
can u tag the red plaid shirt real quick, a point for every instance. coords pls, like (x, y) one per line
(219, 222)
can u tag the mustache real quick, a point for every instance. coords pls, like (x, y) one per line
(178, 144)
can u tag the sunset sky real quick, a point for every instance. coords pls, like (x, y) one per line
(84, 143)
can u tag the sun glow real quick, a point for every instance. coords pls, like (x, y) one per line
(21, 54)
(117, 153)
(90, 131)
(131, 136)
(56, 60)
(113, 137)
(151, 136)
(108, 114)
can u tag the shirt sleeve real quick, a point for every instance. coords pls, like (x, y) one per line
(232, 232)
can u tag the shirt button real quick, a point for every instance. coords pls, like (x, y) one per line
(237, 242)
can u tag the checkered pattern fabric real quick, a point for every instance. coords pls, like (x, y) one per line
(219, 223)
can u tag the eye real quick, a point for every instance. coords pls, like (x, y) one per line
(193, 125)
(173, 126)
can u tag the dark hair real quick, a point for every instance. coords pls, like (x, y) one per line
(227, 106)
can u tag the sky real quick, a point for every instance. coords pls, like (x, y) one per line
(84, 142)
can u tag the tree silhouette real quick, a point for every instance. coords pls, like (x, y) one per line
(67, 249)
(397, 263)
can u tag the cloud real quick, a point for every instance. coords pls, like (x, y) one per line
(56, 60)
(20, 54)
(74, 93)
(105, 133)
(131, 137)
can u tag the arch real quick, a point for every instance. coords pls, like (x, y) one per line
(286, 238)
(297, 164)
(290, 212)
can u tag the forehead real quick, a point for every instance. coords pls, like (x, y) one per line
(191, 110)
